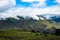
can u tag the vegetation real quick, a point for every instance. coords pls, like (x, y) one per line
(18, 34)
(28, 29)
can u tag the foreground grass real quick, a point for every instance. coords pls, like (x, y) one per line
(25, 35)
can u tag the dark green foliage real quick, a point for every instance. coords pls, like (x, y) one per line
(37, 34)
(25, 35)
(25, 30)
(33, 31)
(58, 32)
(40, 33)
(37, 31)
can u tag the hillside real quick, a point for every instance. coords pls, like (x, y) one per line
(28, 29)
(29, 23)
(18, 34)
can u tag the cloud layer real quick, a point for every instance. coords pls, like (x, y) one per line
(8, 9)
(58, 1)
(6, 4)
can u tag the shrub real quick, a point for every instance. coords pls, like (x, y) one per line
(33, 31)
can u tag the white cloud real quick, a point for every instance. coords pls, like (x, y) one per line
(40, 2)
(32, 0)
(4, 4)
(7, 2)
(31, 12)
(28, 0)
(58, 1)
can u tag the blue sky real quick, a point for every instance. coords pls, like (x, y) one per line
(27, 4)
(31, 8)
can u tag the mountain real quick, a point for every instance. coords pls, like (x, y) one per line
(28, 23)
(52, 17)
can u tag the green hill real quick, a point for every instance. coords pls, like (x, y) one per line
(18, 34)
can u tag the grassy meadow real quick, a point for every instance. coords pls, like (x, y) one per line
(17, 34)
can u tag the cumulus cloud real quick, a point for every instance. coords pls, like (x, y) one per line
(40, 2)
(32, 0)
(29, 11)
(58, 1)
(5, 4)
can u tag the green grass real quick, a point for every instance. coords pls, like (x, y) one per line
(25, 35)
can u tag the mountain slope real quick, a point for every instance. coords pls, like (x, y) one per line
(29, 24)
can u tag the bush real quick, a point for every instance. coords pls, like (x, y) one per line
(37, 31)
(33, 31)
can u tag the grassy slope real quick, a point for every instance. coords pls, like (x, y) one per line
(24, 35)
(50, 25)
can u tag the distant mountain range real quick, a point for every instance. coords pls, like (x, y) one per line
(52, 17)
(50, 22)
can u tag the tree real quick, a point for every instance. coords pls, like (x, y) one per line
(33, 31)
(37, 31)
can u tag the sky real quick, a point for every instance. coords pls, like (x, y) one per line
(31, 8)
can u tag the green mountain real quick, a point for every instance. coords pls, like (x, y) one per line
(29, 23)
